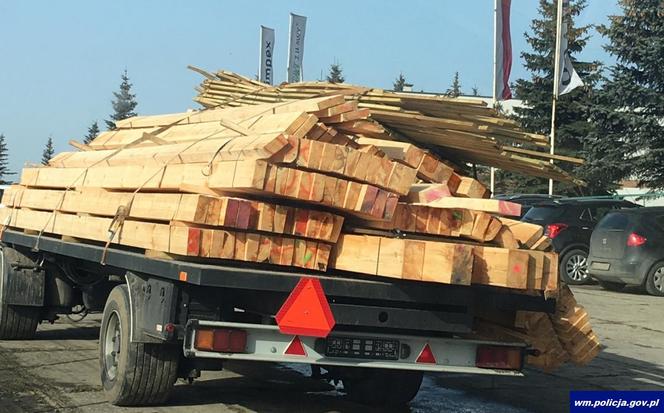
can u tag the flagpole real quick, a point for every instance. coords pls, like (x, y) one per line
(492, 182)
(556, 81)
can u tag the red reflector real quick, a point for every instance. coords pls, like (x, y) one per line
(553, 230)
(426, 355)
(306, 311)
(230, 341)
(296, 348)
(499, 357)
(635, 240)
(224, 340)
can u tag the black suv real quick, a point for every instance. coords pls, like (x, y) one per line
(569, 222)
(627, 248)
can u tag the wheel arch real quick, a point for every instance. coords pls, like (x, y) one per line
(652, 266)
(152, 305)
(575, 246)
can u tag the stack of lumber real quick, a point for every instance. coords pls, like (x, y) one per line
(572, 325)
(565, 335)
(466, 130)
(293, 183)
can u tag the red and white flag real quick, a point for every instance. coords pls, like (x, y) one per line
(502, 50)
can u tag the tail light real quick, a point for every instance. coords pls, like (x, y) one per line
(499, 357)
(635, 240)
(552, 230)
(224, 340)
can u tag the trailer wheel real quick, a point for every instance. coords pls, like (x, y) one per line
(382, 387)
(16, 322)
(132, 374)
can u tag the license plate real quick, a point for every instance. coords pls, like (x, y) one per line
(365, 348)
(603, 266)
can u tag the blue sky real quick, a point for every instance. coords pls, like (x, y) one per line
(62, 60)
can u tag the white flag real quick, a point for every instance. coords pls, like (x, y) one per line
(298, 25)
(568, 78)
(267, 51)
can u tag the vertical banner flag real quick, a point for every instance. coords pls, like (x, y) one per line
(267, 51)
(298, 26)
(569, 79)
(503, 51)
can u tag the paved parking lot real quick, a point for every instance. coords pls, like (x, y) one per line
(58, 372)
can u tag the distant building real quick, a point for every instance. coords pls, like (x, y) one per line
(631, 187)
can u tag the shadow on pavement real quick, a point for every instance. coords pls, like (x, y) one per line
(549, 392)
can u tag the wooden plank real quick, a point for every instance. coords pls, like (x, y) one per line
(471, 188)
(429, 167)
(228, 212)
(506, 239)
(542, 244)
(526, 233)
(398, 258)
(487, 205)
(225, 177)
(172, 239)
(500, 267)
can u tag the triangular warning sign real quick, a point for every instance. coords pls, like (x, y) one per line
(306, 311)
(296, 348)
(426, 355)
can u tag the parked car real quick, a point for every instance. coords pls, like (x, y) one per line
(569, 222)
(527, 200)
(627, 248)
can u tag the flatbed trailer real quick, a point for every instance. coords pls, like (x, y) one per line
(165, 319)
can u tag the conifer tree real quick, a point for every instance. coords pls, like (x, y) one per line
(93, 132)
(455, 90)
(48, 152)
(572, 109)
(336, 74)
(628, 117)
(4, 162)
(399, 83)
(124, 102)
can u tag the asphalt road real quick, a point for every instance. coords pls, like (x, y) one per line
(58, 372)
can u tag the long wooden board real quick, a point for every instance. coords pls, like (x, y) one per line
(495, 206)
(255, 177)
(518, 269)
(408, 259)
(226, 212)
(427, 219)
(176, 239)
(347, 162)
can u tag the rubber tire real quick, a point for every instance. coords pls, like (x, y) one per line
(16, 322)
(563, 264)
(146, 373)
(650, 281)
(383, 387)
(611, 286)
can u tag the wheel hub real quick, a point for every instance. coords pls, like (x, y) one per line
(577, 267)
(658, 279)
(112, 345)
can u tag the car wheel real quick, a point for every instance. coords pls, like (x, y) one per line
(574, 267)
(655, 280)
(611, 286)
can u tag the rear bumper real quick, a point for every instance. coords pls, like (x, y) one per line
(630, 271)
(267, 343)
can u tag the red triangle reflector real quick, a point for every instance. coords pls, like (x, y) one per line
(306, 311)
(296, 348)
(426, 355)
